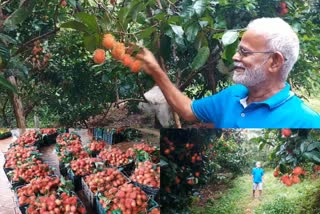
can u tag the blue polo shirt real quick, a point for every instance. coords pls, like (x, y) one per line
(282, 110)
(257, 175)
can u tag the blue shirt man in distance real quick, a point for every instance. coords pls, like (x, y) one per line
(257, 179)
(261, 97)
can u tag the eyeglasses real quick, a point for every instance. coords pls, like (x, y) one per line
(244, 53)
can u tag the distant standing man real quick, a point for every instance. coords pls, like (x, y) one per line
(257, 178)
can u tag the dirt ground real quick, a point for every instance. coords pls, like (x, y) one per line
(118, 117)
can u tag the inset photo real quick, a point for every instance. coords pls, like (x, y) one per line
(79, 171)
(240, 171)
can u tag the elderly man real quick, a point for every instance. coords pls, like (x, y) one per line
(257, 179)
(261, 97)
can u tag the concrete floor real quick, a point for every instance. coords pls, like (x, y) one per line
(8, 204)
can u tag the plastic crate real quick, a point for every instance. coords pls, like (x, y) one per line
(50, 139)
(150, 191)
(7, 171)
(99, 208)
(152, 204)
(76, 180)
(63, 169)
(109, 136)
(88, 194)
(98, 133)
(23, 209)
(126, 169)
(5, 135)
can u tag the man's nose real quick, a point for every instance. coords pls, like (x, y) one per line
(236, 57)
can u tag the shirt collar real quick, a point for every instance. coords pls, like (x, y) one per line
(279, 98)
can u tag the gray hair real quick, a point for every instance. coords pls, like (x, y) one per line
(280, 37)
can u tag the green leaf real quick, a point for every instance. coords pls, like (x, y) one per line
(7, 85)
(7, 39)
(146, 33)
(192, 31)
(200, 6)
(229, 37)
(91, 42)
(134, 10)
(4, 54)
(312, 146)
(76, 25)
(201, 40)
(73, 3)
(313, 156)
(90, 21)
(177, 30)
(201, 58)
(122, 15)
(228, 53)
(19, 15)
(303, 147)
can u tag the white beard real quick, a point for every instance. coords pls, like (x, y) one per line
(249, 77)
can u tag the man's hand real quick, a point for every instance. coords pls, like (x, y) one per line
(150, 64)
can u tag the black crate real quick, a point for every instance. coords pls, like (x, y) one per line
(76, 180)
(90, 196)
(5, 135)
(23, 208)
(99, 208)
(50, 139)
(150, 191)
(127, 168)
(63, 169)
(7, 171)
(152, 204)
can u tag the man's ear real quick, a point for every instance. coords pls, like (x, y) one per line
(277, 61)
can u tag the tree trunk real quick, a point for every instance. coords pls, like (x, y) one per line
(17, 105)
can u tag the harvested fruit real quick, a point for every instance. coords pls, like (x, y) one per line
(99, 56)
(115, 157)
(84, 166)
(29, 138)
(108, 41)
(43, 186)
(145, 147)
(298, 171)
(286, 132)
(31, 170)
(118, 51)
(48, 131)
(96, 146)
(147, 174)
(129, 199)
(18, 155)
(135, 66)
(154, 211)
(56, 203)
(105, 182)
(127, 60)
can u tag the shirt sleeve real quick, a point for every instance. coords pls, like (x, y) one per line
(204, 109)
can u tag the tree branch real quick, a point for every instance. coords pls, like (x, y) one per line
(141, 90)
(35, 39)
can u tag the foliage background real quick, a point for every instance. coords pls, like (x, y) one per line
(185, 35)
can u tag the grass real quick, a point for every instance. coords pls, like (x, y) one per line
(277, 198)
(314, 103)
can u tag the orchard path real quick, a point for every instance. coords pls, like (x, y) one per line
(238, 199)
